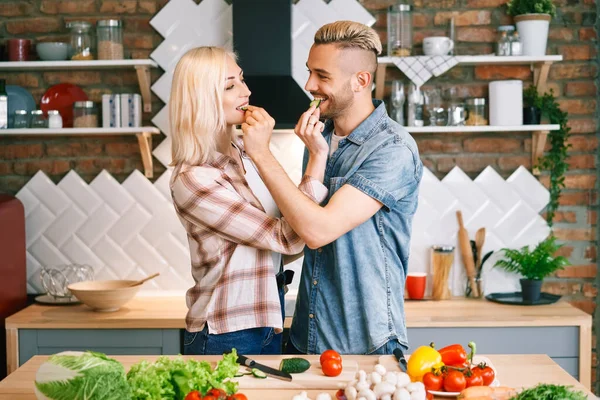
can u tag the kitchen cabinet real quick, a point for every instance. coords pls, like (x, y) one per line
(540, 66)
(142, 67)
(154, 325)
(518, 371)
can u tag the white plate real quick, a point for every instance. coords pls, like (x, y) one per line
(476, 360)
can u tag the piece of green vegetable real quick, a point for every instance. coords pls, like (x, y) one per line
(172, 378)
(545, 391)
(258, 373)
(76, 375)
(294, 365)
(315, 103)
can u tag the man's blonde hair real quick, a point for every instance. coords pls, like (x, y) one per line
(196, 114)
(349, 35)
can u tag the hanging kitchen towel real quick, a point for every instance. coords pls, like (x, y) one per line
(420, 69)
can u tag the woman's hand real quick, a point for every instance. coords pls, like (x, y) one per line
(257, 129)
(309, 130)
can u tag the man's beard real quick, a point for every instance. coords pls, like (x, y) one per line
(339, 103)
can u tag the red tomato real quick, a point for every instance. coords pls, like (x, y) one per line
(332, 367)
(340, 395)
(209, 397)
(473, 378)
(433, 381)
(429, 396)
(193, 395)
(455, 381)
(487, 374)
(219, 394)
(330, 354)
(237, 396)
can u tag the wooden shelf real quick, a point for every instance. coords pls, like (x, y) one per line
(539, 135)
(492, 59)
(144, 136)
(142, 68)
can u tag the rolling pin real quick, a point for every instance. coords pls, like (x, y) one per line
(467, 253)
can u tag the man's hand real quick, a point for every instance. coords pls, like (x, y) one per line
(257, 129)
(309, 129)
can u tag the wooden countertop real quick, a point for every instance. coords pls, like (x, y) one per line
(145, 312)
(518, 371)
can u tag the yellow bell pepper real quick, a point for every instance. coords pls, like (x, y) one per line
(423, 360)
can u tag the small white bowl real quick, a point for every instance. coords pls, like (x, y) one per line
(52, 51)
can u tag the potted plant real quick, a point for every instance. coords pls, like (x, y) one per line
(534, 266)
(532, 18)
(532, 106)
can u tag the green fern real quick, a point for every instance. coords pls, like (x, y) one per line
(533, 264)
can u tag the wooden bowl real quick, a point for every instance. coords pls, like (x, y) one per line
(105, 296)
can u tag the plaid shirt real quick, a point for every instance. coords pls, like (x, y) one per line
(231, 238)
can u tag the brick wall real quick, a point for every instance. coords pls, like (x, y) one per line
(572, 34)
(44, 20)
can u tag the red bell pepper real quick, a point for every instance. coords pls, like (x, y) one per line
(453, 355)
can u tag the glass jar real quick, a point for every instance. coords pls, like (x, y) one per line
(503, 42)
(54, 119)
(81, 40)
(516, 47)
(21, 119)
(476, 115)
(37, 119)
(442, 259)
(85, 115)
(110, 39)
(399, 30)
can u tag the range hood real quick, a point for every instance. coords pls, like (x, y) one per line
(262, 39)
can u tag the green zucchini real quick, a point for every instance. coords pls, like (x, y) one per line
(294, 365)
(315, 103)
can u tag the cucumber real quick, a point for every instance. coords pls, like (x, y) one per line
(315, 103)
(258, 373)
(294, 365)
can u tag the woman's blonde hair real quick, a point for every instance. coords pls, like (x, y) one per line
(196, 113)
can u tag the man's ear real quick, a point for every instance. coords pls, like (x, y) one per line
(364, 80)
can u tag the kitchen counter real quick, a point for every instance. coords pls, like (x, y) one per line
(459, 320)
(518, 371)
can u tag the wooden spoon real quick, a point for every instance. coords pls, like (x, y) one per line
(479, 241)
(467, 253)
(145, 279)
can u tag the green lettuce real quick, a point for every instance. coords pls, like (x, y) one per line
(173, 378)
(81, 376)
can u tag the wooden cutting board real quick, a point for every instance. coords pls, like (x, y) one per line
(313, 378)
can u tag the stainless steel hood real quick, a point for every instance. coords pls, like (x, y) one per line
(262, 37)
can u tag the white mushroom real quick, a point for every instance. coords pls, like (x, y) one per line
(403, 380)
(380, 369)
(415, 387)
(301, 396)
(401, 394)
(418, 395)
(363, 385)
(362, 375)
(351, 392)
(367, 394)
(383, 388)
(375, 378)
(386, 397)
(323, 396)
(391, 377)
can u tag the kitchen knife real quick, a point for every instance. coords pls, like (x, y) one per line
(400, 357)
(275, 373)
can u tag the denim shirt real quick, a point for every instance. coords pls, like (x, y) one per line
(351, 292)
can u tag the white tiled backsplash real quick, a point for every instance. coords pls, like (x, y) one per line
(130, 230)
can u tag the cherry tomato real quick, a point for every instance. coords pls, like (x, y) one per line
(209, 397)
(219, 394)
(433, 381)
(429, 396)
(473, 378)
(330, 354)
(455, 381)
(193, 395)
(237, 396)
(340, 395)
(332, 367)
(486, 373)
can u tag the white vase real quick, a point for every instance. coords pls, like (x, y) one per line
(533, 31)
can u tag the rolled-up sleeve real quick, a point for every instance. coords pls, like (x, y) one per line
(314, 189)
(389, 174)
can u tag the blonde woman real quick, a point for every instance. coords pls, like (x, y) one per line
(235, 233)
